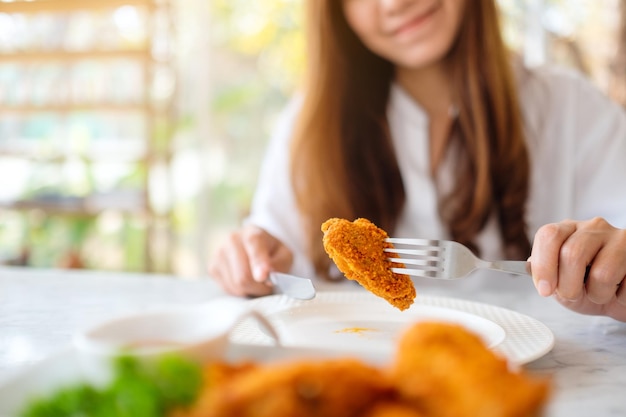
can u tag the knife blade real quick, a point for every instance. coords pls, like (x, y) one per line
(296, 287)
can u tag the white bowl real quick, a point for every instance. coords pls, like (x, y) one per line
(199, 332)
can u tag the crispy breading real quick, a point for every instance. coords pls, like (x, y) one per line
(394, 409)
(214, 375)
(330, 388)
(357, 248)
(440, 370)
(448, 372)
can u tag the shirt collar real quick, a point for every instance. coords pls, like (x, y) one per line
(400, 101)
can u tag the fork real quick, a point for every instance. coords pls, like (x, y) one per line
(444, 259)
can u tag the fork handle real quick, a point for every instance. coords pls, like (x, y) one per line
(513, 267)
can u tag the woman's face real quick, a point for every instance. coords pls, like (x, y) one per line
(409, 33)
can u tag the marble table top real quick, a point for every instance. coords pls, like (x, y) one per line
(41, 310)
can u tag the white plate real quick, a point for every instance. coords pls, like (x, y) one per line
(358, 321)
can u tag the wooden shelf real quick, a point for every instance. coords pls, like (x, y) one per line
(39, 6)
(72, 108)
(89, 157)
(88, 206)
(134, 201)
(71, 56)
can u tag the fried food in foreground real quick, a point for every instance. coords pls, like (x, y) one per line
(440, 370)
(448, 372)
(357, 248)
(393, 409)
(330, 388)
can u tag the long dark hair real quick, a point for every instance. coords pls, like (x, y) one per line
(343, 161)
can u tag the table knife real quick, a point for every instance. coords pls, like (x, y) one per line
(296, 287)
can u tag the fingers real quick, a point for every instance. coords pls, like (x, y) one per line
(583, 264)
(545, 255)
(230, 266)
(265, 253)
(578, 252)
(282, 258)
(605, 277)
(240, 273)
(242, 264)
(563, 251)
(608, 264)
(258, 247)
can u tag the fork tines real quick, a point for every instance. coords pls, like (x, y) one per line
(421, 257)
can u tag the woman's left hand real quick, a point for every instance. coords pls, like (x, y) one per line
(560, 256)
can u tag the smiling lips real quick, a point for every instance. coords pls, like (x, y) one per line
(414, 22)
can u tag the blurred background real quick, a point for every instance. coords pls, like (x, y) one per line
(131, 131)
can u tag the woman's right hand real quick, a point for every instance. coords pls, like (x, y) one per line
(242, 264)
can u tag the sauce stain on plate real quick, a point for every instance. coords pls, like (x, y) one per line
(358, 330)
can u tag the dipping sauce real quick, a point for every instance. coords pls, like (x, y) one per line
(153, 344)
(357, 330)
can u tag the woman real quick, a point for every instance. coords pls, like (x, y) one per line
(415, 116)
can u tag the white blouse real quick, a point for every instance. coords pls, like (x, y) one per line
(576, 139)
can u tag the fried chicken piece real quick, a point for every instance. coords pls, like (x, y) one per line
(214, 375)
(440, 370)
(357, 248)
(446, 371)
(338, 387)
(393, 409)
